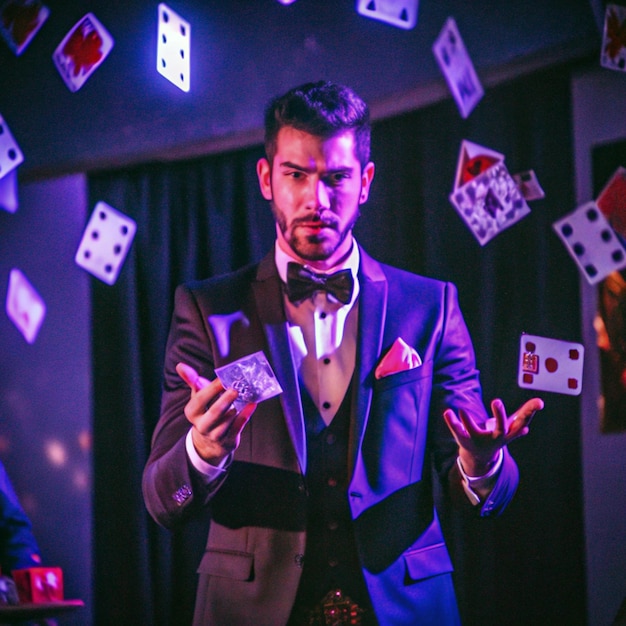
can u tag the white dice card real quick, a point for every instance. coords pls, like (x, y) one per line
(105, 243)
(550, 365)
(10, 154)
(400, 13)
(457, 68)
(173, 47)
(24, 306)
(591, 242)
(82, 51)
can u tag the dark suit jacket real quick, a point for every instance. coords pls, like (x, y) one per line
(399, 445)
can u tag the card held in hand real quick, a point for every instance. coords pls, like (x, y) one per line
(550, 365)
(252, 376)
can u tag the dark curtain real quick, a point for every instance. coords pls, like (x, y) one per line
(206, 216)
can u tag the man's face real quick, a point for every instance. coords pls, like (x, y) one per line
(315, 187)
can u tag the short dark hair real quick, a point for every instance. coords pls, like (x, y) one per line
(322, 109)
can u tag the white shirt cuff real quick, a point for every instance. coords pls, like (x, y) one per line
(477, 486)
(208, 471)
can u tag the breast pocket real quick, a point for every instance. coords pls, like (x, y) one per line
(227, 564)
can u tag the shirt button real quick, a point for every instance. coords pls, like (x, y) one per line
(326, 405)
(332, 482)
(330, 439)
(326, 361)
(323, 315)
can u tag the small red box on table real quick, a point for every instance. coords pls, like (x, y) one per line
(39, 584)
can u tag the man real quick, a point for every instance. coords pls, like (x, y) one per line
(321, 499)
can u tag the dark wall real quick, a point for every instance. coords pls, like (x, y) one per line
(242, 53)
(45, 387)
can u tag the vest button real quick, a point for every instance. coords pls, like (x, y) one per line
(332, 562)
(332, 482)
(299, 560)
(330, 439)
(333, 525)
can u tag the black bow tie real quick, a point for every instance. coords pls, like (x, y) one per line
(302, 283)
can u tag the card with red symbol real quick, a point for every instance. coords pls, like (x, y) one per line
(82, 51)
(550, 365)
(19, 22)
(613, 55)
(24, 306)
(612, 201)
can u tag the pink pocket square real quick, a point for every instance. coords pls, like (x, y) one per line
(399, 358)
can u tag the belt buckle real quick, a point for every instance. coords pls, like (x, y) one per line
(338, 609)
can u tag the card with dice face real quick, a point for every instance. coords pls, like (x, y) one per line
(612, 201)
(550, 365)
(400, 13)
(82, 51)
(252, 376)
(529, 186)
(490, 203)
(105, 243)
(591, 242)
(24, 306)
(457, 68)
(613, 55)
(10, 154)
(20, 20)
(173, 47)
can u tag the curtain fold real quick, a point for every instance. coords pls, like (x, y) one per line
(206, 216)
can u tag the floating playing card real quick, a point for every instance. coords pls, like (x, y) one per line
(550, 365)
(24, 306)
(457, 67)
(19, 22)
(252, 377)
(529, 186)
(473, 160)
(612, 201)
(10, 154)
(8, 192)
(173, 47)
(82, 51)
(105, 243)
(401, 13)
(591, 242)
(490, 203)
(613, 54)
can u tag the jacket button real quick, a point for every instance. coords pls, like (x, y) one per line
(299, 560)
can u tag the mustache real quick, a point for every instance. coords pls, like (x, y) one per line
(328, 220)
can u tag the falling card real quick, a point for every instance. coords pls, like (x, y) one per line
(105, 243)
(400, 13)
(82, 51)
(613, 55)
(529, 186)
(550, 365)
(20, 20)
(173, 47)
(591, 242)
(457, 67)
(24, 306)
(490, 203)
(612, 201)
(252, 376)
(473, 160)
(8, 192)
(10, 154)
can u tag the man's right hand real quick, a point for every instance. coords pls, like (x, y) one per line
(216, 423)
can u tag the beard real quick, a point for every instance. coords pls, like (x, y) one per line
(315, 246)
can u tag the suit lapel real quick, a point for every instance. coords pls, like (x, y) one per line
(268, 292)
(372, 310)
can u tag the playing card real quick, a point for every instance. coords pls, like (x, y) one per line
(19, 22)
(82, 51)
(24, 306)
(8, 192)
(591, 242)
(612, 201)
(10, 154)
(490, 203)
(173, 47)
(550, 365)
(529, 186)
(252, 377)
(400, 13)
(105, 243)
(613, 55)
(473, 160)
(457, 67)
